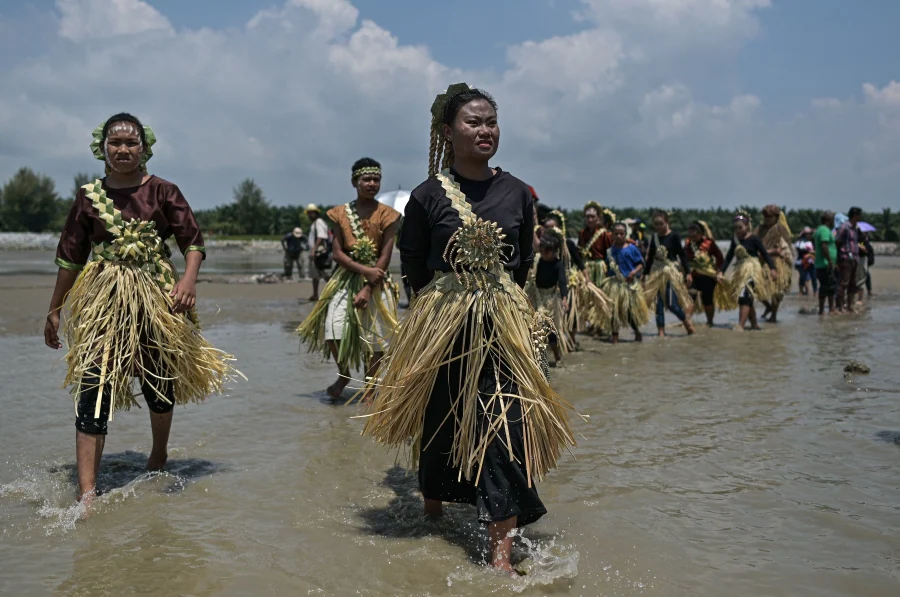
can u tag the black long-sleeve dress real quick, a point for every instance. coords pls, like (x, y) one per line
(502, 490)
(674, 249)
(755, 248)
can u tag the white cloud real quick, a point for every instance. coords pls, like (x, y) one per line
(88, 20)
(293, 98)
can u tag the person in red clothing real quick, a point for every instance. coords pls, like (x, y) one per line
(594, 240)
(706, 261)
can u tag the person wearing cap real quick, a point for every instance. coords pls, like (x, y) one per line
(293, 243)
(319, 249)
(805, 262)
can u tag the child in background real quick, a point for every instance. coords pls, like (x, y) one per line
(551, 289)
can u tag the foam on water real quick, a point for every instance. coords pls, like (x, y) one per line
(51, 490)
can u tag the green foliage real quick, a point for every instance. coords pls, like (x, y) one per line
(251, 216)
(28, 202)
(720, 219)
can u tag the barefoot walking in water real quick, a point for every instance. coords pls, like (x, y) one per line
(127, 313)
(750, 281)
(357, 311)
(462, 384)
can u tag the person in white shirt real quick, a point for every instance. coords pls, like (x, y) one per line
(319, 251)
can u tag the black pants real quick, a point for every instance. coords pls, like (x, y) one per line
(87, 403)
(706, 286)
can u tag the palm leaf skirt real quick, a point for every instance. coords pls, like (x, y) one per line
(119, 320)
(358, 338)
(494, 326)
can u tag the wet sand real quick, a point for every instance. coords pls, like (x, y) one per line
(721, 464)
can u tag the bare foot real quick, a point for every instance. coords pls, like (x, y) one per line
(756, 328)
(689, 326)
(738, 328)
(337, 388)
(506, 568)
(87, 501)
(614, 339)
(314, 298)
(156, 462)
(638, 337)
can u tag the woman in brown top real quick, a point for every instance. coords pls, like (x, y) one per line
(128, 315)
(357, 311)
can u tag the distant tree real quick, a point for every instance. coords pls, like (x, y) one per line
(250, 212)
(28, 202)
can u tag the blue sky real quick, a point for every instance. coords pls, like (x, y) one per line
(677, 103)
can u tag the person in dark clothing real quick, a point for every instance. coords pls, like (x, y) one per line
(551, 283)
(469, 378)
(671, 291)
(706, 262)
(294, 243)
(749, 278)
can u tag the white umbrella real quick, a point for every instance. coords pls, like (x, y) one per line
(395, 199)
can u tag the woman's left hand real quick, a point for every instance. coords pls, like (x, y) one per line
(774, 274)
(184, 296)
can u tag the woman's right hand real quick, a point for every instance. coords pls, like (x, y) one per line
(720, 276)
(51, 331)
(373, 275)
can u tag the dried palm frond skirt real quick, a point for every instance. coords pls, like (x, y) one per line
(462, 390)
(588, 305)
(596, 269)
(749, 276)
(782, 283)
(119, 325)
(359, 332)
(629, 303)
(665, 274)
(724, 296)
(548, 302)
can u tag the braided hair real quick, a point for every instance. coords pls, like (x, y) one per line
(443, 112)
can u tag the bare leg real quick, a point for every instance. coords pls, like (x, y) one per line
(88, 451)
(500, 540)
(434, 508)
(775, 304)
(557, 353)
(615, 338)
(160, 425)
(765, 315)
(710, 314)
(335, 389)
(753, 323)
(315, 294)
(742, 318)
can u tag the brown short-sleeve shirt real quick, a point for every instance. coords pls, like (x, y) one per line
(157, 200)
(374, 226)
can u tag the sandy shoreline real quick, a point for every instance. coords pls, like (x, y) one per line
(24, 299)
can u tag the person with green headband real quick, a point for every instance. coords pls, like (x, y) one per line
(357, 311)
(463, 387)
(127, 312)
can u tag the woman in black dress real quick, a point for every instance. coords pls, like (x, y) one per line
(750, 281)
(463, 379)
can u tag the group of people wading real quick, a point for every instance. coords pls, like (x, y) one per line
(461, 382)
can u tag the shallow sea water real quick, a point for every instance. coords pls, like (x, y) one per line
(721, 464)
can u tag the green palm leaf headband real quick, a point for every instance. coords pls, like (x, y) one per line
(440, 102)
(97, 143)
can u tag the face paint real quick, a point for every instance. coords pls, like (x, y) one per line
(126, 128)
